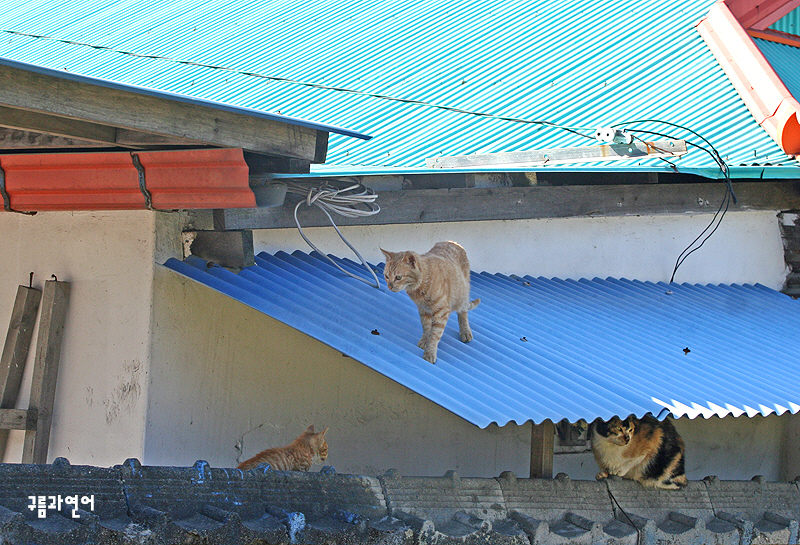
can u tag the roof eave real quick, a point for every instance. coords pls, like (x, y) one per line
(146, 91)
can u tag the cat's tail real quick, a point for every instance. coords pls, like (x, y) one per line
(474, 303)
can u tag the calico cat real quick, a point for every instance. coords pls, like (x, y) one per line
(309, 448)
(645, 450)
(438, 282)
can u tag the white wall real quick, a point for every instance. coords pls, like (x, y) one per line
(746, 248)
(102, 383)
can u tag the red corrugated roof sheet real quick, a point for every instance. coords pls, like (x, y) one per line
(191, 179)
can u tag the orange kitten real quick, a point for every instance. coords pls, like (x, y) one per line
(309, 448)
(644, 450)
(438, 282)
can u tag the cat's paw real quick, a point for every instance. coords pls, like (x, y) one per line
(430, 355)
(602, 475)
(466, 336)
(421, 343)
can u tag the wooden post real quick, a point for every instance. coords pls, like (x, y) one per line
(542, 437)
(15, 352)
(45, 369)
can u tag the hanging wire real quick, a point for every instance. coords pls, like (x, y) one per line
(729, 196)
(352, 201)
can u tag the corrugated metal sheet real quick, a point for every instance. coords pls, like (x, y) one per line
(103, 82)
(546, 348)
(789, 23)
(786, 61)
(196, 179)
(400, 70)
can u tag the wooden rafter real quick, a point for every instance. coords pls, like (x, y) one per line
(507, 203)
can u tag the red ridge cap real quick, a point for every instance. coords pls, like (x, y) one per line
(190, 179)
(72, 181)
(762, 90)
(207, 178)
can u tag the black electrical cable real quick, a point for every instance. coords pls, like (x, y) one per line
(716, 219)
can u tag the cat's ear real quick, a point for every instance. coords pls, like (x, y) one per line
(322, 433)
(387, 254)
(310, 429)
(411, 259)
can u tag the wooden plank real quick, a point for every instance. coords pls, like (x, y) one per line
(604, 152)
(510, 203)
(139, 139)
(14, 139)
(542, 441)
(46, 94)
(55, 297)
(26, 129)
(17, 419)
(15, 352)
(14, 118)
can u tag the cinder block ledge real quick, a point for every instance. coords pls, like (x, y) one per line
(133, 503)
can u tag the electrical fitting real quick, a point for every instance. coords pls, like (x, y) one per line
(613, 136)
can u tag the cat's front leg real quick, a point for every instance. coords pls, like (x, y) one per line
(426, 320)
(438, 323)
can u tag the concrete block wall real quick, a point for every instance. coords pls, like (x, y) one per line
(201, 504)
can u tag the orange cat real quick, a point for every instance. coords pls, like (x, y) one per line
(644, 450)
(438, 282)
(309, 448)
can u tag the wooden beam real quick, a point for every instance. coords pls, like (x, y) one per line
(45, 94)
(15, 139)
(15, 353)
(27, 129)
(130, 138)
(55, 297)
(510, 203)
(15, 118)
(17, 419)
(542, 441)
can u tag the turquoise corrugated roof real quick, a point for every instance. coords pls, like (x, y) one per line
(406, 72)
(785, 59)
(546, 348)
(788, 23)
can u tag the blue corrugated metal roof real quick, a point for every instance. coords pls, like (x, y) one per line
(546, 348)
(403, 71)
